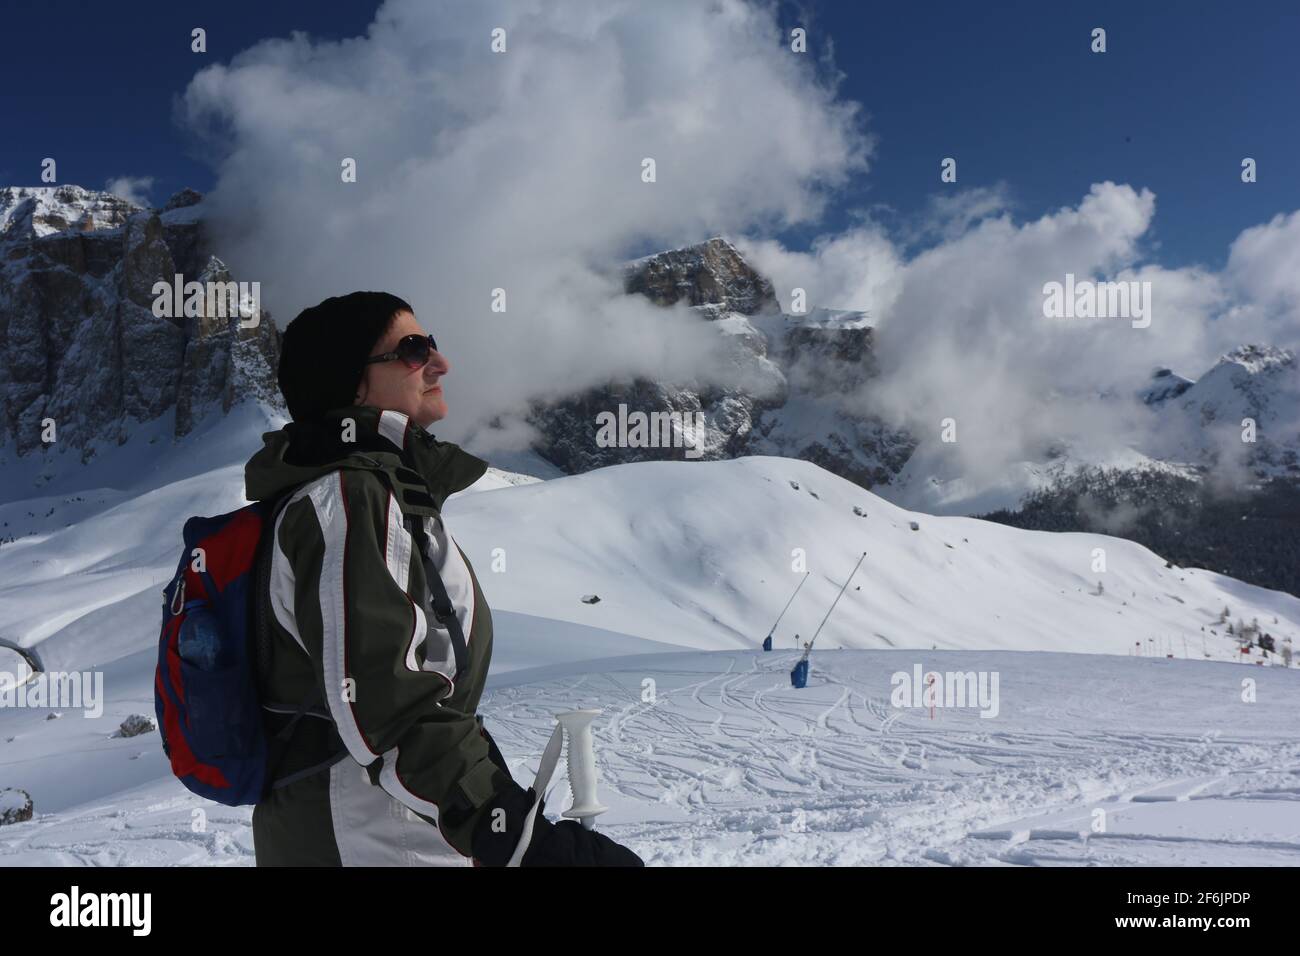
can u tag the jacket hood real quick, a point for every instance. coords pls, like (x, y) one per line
(303, 451)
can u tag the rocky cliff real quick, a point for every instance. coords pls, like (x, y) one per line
(79, 341)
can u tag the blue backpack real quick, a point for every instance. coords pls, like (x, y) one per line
(213, 632)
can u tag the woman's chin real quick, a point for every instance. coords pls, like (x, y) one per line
(432, 409)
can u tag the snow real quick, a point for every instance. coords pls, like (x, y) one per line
(820, 318)
(46, 210)
(728, 765)
(665, 253)
(706, 753)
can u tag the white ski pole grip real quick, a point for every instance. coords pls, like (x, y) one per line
(582, 775)
(582, 766)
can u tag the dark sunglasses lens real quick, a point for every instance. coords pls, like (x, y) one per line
(414, 349)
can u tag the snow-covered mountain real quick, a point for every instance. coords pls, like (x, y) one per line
(79, 342)
(1202, 422)
(808, 368)
(797, 371)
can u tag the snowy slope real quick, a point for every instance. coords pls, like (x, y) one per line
(699, 555)
(691, 562)
(728, 765)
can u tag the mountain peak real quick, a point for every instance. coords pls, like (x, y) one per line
(1163, 386)
(709, 273)
(1256, 358)
(36, 211)
(182, 198)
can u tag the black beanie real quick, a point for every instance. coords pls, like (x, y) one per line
(323, 351)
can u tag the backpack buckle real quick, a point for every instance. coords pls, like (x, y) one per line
(178, 597)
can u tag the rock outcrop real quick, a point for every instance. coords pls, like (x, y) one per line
(79, 341)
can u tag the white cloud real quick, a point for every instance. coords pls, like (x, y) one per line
(519, 171)
(857, 269)
(1264, 273)
(949, 214)
(134, 189)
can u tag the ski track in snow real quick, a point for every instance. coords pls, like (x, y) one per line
(727, 764)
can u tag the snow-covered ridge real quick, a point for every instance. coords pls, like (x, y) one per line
(1164, 386)
(696, 555)
(38, 211)
(1259, 358)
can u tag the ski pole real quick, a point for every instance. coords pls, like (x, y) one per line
(836, 601)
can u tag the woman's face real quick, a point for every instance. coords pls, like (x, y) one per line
(415, 391)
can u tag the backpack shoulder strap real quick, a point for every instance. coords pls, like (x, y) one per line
(262, 585)
(444, 612)
(261, 610)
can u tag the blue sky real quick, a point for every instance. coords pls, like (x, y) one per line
(1184, 92)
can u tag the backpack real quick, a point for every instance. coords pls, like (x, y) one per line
(214, 642)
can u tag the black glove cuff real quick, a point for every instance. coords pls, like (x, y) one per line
(497, 833)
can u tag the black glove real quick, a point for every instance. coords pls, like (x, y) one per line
(494, 752)
(552, 844)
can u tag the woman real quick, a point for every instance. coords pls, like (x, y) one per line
(376, 616)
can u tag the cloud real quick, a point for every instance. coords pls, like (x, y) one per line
(1263, 273)
(518, 171)
(961, 332)
(857, 269)
(134, 189)
(521, 171)
(949, 214)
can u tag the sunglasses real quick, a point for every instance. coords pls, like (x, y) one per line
(414, 350)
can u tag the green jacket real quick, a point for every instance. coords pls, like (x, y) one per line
(350, 627)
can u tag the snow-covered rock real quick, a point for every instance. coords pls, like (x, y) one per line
(15, 806)
(135, 725)
(79, 343)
